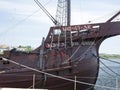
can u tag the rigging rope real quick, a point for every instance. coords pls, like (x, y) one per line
(107, 66)
(47, 2)
(67, 61)
(46, 12)
(110, 69)
(81, 56)
(110, 60)
(52, 75)
(21, 21)
(107, 72)
(16, 24)
(72, 55)
(103, 17)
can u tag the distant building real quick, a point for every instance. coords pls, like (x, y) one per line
(3, 47)
(24, 48)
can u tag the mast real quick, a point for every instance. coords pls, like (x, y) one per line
(63, 14)
(68, 12)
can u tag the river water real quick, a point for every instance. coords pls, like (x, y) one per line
(109, 78)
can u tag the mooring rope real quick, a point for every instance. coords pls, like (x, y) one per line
(60, 77)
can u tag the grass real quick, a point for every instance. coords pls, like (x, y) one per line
(110, 56)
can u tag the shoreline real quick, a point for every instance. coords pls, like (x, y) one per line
(109, 56)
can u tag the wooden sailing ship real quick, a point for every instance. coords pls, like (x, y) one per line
(67, 52)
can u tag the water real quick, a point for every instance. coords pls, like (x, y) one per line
(107, 78)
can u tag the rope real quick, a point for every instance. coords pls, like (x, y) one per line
(60, 77)
(67, 61)
(110, 69)
(107, 66)
(46, 12)
(103, 17)
(15, 25)
(82, 56)
(72, 55)
(107, 73)
(110, 60)
(48, 2)
(21, 21)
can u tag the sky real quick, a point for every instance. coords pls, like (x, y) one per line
(22, 22)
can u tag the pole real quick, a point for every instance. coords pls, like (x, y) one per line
(41, 54)
(68, 12)
(117, 88)
(33, 81)
(75, 85)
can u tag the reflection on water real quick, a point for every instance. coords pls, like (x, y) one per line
(107, 77)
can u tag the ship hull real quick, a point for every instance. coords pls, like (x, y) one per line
(85, 69)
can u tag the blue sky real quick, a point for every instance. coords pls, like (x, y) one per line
(23, 23)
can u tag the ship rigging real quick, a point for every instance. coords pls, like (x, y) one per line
(67, 52)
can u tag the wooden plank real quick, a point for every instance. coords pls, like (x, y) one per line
(58, 69)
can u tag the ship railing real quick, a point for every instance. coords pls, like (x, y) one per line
(67, 35)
